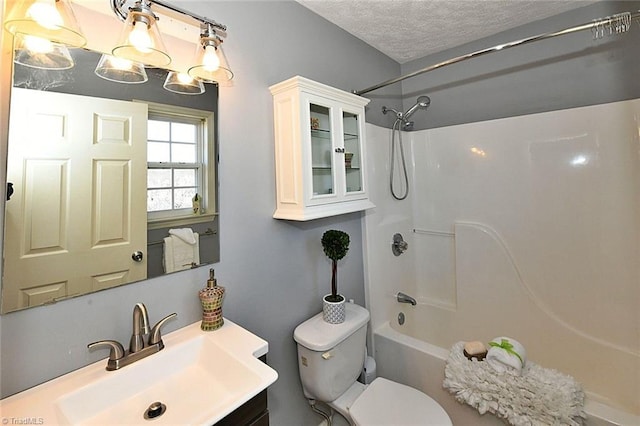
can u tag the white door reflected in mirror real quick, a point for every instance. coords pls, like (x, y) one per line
(55, 219)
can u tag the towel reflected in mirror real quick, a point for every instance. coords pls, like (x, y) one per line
(181, 250)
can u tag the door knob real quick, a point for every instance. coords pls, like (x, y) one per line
(9, 190)
(137, 256)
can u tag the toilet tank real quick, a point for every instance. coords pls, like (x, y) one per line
(331, 356)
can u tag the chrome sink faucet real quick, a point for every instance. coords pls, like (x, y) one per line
(138, 347)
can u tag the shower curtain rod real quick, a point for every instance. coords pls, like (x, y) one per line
(616, 24)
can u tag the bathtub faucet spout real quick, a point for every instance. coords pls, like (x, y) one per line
(405, 298)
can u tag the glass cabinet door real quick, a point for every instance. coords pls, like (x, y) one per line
(352, 152)
(321, 150)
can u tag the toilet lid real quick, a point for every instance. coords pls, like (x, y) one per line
(388, 403)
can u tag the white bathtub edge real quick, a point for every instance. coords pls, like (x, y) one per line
(594, 409)
(609, 414)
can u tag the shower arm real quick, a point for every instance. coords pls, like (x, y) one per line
(596, 26)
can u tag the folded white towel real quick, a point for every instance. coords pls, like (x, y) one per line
(179, 255)
(506, 354)
(185, 234)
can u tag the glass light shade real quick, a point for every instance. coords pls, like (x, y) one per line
(36, 52)
(211, 65)
(140, 40)
(48, 19)
(183, 84)
(120, 70)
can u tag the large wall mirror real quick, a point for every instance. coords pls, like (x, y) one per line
(112, 183)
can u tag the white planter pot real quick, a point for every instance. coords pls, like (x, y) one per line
(333, 312)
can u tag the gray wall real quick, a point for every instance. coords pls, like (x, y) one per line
(274, 271)
(563, 72)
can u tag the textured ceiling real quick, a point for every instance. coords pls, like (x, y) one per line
(410, 29)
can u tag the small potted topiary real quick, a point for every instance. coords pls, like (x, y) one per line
(335, 245)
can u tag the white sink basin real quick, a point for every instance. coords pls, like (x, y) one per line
(200, 377)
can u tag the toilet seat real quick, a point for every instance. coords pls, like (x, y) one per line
(388, 403)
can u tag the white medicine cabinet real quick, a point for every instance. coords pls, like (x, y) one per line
(319, 150)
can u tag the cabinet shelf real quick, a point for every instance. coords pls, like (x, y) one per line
(326, 134)
(330, 168)
(320, 133)
(350, 137)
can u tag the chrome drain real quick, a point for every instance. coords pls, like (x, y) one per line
(155, 410)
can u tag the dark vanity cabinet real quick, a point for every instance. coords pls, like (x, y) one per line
(253, 413)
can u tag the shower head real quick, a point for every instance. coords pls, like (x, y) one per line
(423, 102)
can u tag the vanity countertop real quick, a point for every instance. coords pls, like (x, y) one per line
(200, 376)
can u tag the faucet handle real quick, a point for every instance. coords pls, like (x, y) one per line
(117, 351)
(154, 336)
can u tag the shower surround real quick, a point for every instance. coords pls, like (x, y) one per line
(527, 227)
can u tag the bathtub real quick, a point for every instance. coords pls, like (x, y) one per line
(419, 364)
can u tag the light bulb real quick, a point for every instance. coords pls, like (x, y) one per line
(140, 37)
(184, 78)
(121, 63)
(45, 14)
(37, 44)
(210, 60)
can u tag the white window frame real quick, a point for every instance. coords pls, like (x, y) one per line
(206, 158)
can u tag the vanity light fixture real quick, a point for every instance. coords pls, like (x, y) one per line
(210, 61)
(51, 20)
(120, 70)
(184, 84)
(141, 42)
(140, 39)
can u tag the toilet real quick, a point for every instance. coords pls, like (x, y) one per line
(330, 360)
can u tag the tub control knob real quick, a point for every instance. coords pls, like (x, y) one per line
(399, 245)
(327, 355)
